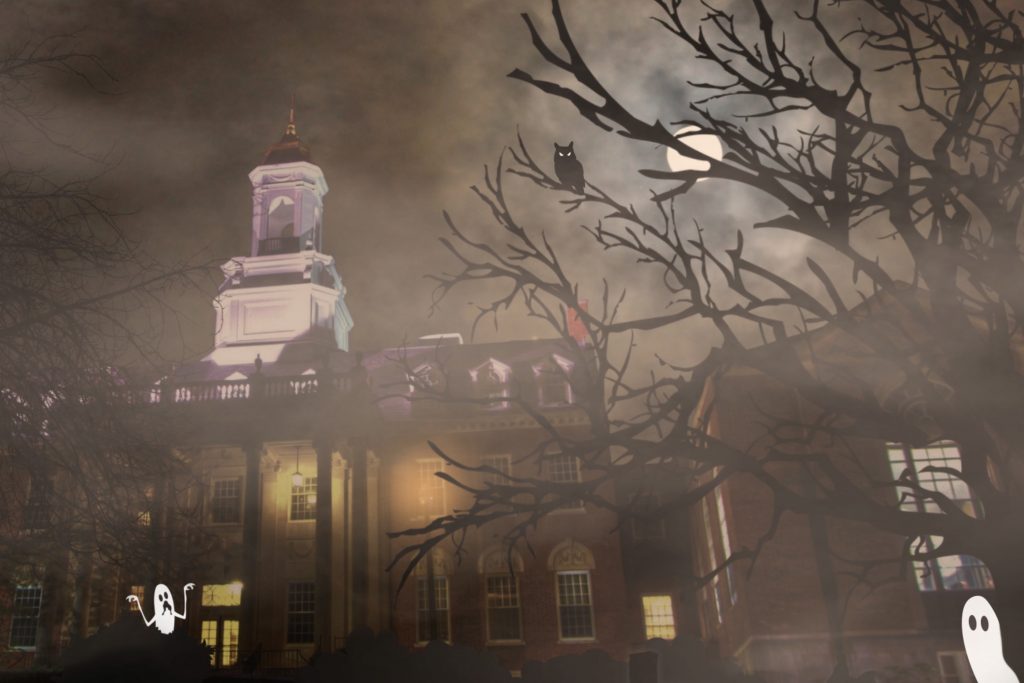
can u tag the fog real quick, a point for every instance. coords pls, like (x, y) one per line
(402, 105)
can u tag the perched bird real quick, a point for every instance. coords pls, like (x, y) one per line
(568, 168)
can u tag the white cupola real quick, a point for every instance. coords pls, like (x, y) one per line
(286, 293)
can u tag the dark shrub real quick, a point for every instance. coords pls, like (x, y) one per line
(128, 652)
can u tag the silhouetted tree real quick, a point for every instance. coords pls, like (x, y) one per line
(908, 127)
(84, 480)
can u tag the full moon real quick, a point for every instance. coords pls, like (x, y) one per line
(705, 143)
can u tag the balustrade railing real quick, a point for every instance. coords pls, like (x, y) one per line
(254, 387)
(278, 245)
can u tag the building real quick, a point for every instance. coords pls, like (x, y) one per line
(304, 456)
(804, 607)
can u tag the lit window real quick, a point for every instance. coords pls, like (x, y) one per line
(503, 621)
(25, 616)
(144, 518)
(303, 503)
(432, 622)
(575, 611)
(552, 378)
(491, 384)
(226, 501)
(139, 592)
(954, 667)
(301, 611)
(208, 636)
(952, 572)
(564, 468)
(658, 619)
(221, 635)
(222, 594)
(431, 487)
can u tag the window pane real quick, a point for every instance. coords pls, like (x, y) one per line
(222, 594)
(27, 600)
(575, 616)
(36, 514)
(139, 591)
(431, 487)
(553, 388)
(954, 572)
(503, 608)
(648, 522)
(439, 618)
(208, 636)
(564, 468)
(301, 611)
(491, 385)
(229, 643)
(225, 503)
(502, 464)
(963, 572)
(302, 505)
(723, 537)
(659, 621)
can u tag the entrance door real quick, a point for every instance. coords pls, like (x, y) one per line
(222, 635)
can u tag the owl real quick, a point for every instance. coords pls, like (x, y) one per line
(568, 168)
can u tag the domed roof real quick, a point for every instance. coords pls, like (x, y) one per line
(289, 148)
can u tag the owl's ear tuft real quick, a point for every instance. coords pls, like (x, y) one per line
(556, 145)
(570, 144)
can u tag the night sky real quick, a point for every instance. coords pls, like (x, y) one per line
(402, 104)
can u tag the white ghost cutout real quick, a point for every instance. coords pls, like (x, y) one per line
(163, 608)
(984, 642)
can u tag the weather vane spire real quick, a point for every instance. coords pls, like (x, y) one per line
(290, 130)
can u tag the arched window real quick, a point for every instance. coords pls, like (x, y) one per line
(552, 379)
(572, 564)
(281, 217)
(501, 571)
(491, 384)
(433, 597)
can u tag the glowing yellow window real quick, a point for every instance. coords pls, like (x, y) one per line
(222, 594)
(658, 619)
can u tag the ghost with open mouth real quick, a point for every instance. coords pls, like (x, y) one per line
(984, 642)
(163, 607)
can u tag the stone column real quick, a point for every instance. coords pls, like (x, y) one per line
(250, 547)
(324, 507)
(360, 551)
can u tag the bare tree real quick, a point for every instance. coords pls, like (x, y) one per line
(85, 480)
(941, 177)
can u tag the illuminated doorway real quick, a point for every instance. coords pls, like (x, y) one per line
(222, 635)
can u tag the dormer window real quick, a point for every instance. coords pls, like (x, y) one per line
(552, 378)
(427, 379)
(491, 384)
